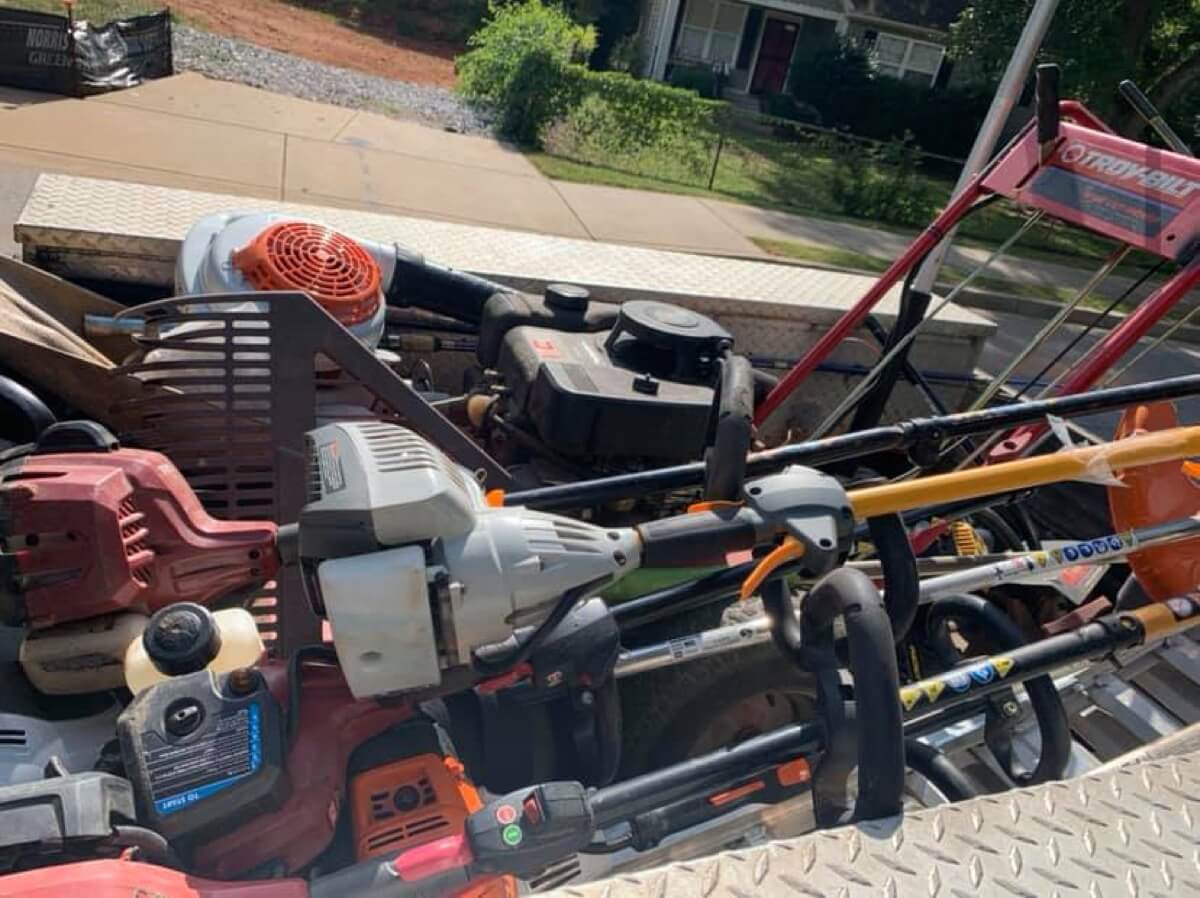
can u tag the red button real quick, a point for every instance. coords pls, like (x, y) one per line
(506, 814)
(533, 811)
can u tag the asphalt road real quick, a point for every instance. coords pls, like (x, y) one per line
(1014, 333)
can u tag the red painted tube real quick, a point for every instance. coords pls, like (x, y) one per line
(1105, 354)
(928, 239)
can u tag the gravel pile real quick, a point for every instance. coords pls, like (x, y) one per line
(234, 60)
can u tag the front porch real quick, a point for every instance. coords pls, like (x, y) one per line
(753, 45)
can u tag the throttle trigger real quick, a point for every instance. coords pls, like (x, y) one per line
(790, 549)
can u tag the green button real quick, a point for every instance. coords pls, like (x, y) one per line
(512, 835)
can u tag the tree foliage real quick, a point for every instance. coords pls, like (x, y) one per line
(839, 82)
(1098, 43)
(510, 34)
(524, 63)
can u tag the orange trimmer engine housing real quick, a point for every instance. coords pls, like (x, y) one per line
(96, 532)
(1155, 494)
(407, 788)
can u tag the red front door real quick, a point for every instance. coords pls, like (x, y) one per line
(774, 56)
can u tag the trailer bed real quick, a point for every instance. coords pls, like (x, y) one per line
(84, 228)
(1127, 829)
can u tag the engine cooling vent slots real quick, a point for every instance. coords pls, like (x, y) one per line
(335, 270)
(396, 449)
(313, 490)
(13, 740)
(133, 535)
(555, 536)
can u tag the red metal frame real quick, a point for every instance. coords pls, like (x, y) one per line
(1122, 189)
(1088, 370)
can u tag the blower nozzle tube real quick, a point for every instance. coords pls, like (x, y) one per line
(415, 281)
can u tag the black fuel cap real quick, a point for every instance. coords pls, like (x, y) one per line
(568, 297)
(182, 639)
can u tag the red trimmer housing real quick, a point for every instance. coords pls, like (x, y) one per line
(89, 528)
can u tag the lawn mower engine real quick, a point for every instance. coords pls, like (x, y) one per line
(565, 386)
(637, 393)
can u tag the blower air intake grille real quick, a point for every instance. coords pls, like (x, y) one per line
(133, 534)
(333, 269)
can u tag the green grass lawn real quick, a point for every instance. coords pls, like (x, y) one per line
(794, 176)
(96, 11)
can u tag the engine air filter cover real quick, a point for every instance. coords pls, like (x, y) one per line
(331, 267)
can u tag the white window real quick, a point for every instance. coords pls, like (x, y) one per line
(901, 57)
(710, 31)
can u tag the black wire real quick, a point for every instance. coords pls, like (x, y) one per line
(519, 654)
(1100, 316)
(152, 847)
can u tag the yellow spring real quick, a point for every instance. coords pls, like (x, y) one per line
(966, 540)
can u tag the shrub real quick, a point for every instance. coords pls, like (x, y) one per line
(516, 60)
(836, 79)
(879, 183)
(840, 83)
(521, 65)
(703, 79)
(628, 54)
(598, 131)
(788, 107)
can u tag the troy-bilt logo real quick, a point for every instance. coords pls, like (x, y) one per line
(1087, 159)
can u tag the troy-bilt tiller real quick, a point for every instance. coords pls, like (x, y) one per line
(1065, 164)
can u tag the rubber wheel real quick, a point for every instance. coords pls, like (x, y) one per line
(683, 711)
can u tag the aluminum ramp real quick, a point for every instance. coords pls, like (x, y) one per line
(1131, 829)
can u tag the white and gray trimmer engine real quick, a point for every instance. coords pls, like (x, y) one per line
(415, 570)
(418, 571)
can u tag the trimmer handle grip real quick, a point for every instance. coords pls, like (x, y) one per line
(1150, 114)
(434, 870)
(1138, 100)
(702, 538)
(1047, 109)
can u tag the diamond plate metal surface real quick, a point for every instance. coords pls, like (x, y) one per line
(84, 227)
(1129, 832)
(146, 222)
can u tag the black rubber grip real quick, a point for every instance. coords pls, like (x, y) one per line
(700, 539)
(1047, 103)
(725, 460)
(1138, 100)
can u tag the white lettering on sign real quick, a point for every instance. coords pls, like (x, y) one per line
(1129, 170)
(45, 39)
